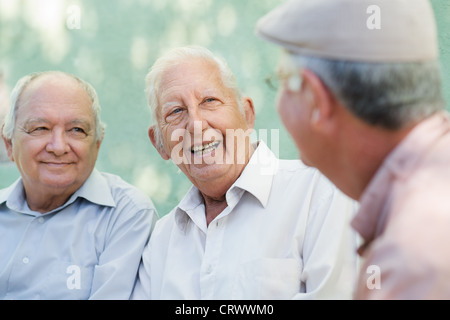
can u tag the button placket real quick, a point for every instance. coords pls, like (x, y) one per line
(213, 248)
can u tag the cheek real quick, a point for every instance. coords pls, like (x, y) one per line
(95, 149)
(173, 143)
(172, 135)
(288, 109)
(27, 148)
(84, 151)
(295, 118)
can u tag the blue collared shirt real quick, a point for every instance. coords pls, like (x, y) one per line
(88, 248)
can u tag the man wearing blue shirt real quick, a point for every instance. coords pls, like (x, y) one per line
(67, 231)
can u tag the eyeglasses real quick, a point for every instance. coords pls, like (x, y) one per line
(292, 79)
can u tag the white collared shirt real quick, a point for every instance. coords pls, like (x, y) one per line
(89, 248)
(284, 234)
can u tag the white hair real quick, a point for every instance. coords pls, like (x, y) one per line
(389, 95)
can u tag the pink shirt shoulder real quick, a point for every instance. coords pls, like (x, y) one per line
(404, 219)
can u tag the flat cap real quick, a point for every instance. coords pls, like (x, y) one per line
(354, 30)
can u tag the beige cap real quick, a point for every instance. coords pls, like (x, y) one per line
(361, 30)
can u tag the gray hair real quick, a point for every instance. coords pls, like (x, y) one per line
(389, 95)
(174, 56)
(22, 83)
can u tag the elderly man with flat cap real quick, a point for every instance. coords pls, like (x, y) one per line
(362, 99)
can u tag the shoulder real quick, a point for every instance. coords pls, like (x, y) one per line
(296, 173)
(305, 183)
(13, 189)
(168, 220)
(295, 167)
(164, 227)
(124, 192)
(4, 193)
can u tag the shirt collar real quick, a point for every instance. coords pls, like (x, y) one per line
(14, 193)
(400, 163)
(257, 176)
(256, 179)
(95, 190)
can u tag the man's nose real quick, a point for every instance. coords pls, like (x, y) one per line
(196, 123)
(58, 143)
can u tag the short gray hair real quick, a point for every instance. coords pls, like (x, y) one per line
(389, 95)
(22, 83)
(174, 56)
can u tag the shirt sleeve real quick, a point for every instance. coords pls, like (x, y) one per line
(116, 273)
(142, 287)
(329, 252)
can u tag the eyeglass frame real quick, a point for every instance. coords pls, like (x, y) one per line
(294, 80)
(287, 70)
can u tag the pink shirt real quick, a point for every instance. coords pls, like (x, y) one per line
(404, 219)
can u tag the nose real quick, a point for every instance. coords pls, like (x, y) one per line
(196, 124)
(58, 143)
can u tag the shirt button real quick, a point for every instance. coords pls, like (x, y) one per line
(41, 220)
(25, 260)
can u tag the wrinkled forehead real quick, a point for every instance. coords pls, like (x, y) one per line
(57, 89)
(190, 78)
(190, 71)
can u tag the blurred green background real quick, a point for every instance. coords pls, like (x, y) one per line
(112, 44)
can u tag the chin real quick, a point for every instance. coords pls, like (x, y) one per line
(306, 161)
(60, 182)
(207, 172)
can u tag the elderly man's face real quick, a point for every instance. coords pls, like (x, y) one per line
(54, 143)
(295, 111)
(198, 117)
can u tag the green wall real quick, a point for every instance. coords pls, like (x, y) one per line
(116, 43)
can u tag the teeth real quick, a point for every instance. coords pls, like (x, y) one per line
(205, 148)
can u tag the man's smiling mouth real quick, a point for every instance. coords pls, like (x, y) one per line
(205, 148)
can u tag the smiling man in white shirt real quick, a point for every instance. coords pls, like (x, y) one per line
(251, 226)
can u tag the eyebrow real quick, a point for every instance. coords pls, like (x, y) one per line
(177, 100)
(170, 104)
(34, 121)
(80, 122)
(31, 121)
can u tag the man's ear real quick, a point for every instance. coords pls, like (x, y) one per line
(8, 146)
(158, 147)
(319, 99)
(99, 141)
(249, 112)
